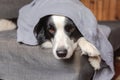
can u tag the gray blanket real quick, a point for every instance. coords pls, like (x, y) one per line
(85, 21)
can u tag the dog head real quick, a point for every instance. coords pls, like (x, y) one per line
(61, 32)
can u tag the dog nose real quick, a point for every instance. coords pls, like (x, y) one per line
(61, 52)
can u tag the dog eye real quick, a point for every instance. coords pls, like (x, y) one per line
(51, 29)
(69, 28)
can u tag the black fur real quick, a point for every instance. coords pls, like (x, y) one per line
(39, 30)
(72, 30)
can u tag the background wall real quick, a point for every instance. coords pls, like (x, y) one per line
(104, 9)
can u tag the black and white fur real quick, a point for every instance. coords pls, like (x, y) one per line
(61, 34)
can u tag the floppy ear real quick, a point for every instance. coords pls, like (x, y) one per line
(39, 34)
(39, 31)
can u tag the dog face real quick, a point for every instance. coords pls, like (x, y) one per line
(61, 32)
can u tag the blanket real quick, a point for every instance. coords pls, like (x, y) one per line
(30, 14)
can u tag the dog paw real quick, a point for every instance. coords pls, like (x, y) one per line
(95, 62)
(87, 48)
(46, 45)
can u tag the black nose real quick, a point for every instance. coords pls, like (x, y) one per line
(61, 52)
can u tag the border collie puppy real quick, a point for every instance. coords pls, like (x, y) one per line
(59, 33)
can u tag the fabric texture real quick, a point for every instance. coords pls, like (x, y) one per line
(30, 14)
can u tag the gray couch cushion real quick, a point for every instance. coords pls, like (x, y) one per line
(9, 8)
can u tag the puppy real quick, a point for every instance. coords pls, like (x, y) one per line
(61, 34)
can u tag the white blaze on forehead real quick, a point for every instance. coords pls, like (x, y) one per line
(59, 21)
(60, 36)
(61, 40)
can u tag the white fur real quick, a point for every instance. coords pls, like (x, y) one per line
(87, 48)
(95, 62)
(47, 45)
(61, 40)
(90, 50)
(59, 21)
(6, 25)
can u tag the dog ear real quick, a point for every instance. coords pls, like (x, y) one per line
(39, 33)
(39, 30)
